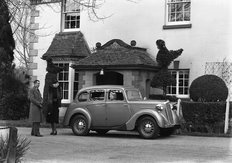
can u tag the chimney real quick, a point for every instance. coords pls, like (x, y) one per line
(133, 43)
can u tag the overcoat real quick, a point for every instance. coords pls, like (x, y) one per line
(53, 104)
(36, 100)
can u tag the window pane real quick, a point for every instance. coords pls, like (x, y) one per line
(181, 83)
(186, 83)
(65, 76)
(179, 17)
(187, 16)
(179, 7)
(83, 97)
(186, 6)
(65, 94)
(181, 90)
(76, 78)
(97, 95)
(173, 90)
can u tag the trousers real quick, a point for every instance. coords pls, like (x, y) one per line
(35, 128)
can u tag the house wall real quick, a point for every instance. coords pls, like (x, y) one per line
(131, 78)
(45, 21)
(208, 40)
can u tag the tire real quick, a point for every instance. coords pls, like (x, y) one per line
(101, 132)
(165, 132)
(79, 125)
(148, 128)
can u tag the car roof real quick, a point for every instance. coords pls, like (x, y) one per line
(106, 87)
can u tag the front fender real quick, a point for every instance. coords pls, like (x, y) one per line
(77, 111)
(130, 125)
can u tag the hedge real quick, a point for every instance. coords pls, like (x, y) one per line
(207, 117)
(14, 107)
(162, 97)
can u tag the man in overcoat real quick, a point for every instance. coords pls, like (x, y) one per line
(35, 115)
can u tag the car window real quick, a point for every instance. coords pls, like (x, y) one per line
(83, 96)
(115, 95)
(97, 95)
(133, 95)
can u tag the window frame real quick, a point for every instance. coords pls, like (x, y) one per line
(116, 96)
(70, 81)
(178, 84)
(176, 24)
(99, 98)
(63, 15)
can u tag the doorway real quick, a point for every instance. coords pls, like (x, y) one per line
(109, 78)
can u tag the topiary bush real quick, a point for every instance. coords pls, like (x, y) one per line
(208, 88)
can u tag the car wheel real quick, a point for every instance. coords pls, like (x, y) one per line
(79, 125)
(101, 132)
(166, 131)
(148, 128)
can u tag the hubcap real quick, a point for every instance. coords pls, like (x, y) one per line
(80, 125)
(148, 127)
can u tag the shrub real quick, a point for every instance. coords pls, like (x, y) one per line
(14, 107)
(204, 117)
(208, 88)
(162, 97)
(22, 145)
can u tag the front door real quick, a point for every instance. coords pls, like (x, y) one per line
(117, 109)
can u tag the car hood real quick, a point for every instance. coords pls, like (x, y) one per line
(149, 102)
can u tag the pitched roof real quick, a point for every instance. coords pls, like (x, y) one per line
(117, 53)
(68, 45)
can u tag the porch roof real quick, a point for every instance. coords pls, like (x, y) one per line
(71, 46)
(116, 54)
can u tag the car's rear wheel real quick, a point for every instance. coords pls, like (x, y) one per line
(148, 128)
(101, 131)
(166, 131)
(79, 125)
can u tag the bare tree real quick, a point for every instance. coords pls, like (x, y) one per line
(20, 21)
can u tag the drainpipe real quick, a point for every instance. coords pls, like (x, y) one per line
(227, 115)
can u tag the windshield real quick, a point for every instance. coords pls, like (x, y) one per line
(133, 95)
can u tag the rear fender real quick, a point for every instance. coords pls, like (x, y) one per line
(83, 112)
(130, 125)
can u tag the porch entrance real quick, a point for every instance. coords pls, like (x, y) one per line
(109, 78)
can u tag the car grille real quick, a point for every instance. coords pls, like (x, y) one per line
(168, 112)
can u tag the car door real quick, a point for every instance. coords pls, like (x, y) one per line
(97, 107)
(117, 109)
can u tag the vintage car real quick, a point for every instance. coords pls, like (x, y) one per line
(109, 107)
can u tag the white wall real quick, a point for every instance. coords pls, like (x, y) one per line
(49, 24)
(208, 40)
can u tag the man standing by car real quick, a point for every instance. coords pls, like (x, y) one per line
(35, 115)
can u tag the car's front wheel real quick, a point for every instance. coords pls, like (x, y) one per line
(79, 125)
(148, 128)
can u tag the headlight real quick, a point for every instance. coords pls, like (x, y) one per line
(159, 107)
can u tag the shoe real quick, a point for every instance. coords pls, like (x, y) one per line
(55, 133)
(39, 135)
(32, 134)
(52, 133)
